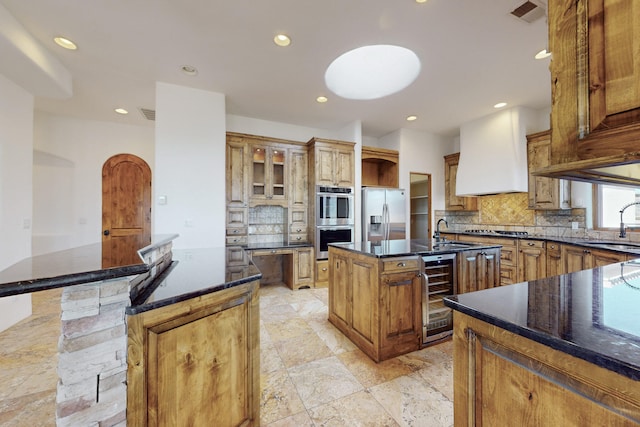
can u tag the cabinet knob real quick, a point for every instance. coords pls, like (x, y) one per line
(236, 231)
(299, 238)
(401, 264)
(531, 244)
(298, 230)
(324, 268)
(273, 251)
(586, 251)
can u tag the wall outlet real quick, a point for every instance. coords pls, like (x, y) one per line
(574, 225)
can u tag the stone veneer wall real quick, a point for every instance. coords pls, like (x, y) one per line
(92, 349)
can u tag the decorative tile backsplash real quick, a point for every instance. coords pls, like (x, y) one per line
(267, 224)
(506, 209)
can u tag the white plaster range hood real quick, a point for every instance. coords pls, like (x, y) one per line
(493, 153)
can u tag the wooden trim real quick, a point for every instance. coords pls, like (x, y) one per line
(259, 139)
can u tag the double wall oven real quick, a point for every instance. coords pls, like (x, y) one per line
(334, 218)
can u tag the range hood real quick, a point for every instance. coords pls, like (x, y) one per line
(622, 169)
(493, 153)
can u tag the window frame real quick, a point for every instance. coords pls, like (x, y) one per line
(596, 211)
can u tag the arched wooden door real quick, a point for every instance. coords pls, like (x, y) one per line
(126, 209)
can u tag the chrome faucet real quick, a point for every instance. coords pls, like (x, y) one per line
(623, 230)
(437, 234)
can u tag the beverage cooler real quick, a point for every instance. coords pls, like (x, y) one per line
(439, 281)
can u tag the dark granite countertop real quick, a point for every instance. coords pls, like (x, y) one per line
(393, 248)
(619, 245)
(275, 245)
(83, 264)
(194, 272)
(592, 314)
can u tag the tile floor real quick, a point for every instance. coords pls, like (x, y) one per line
(311, 375)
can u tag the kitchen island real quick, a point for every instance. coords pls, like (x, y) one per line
(564, 350)
(198, 309)
(376, 295)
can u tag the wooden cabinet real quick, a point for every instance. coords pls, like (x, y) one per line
(508, 255)
(576, 258)
(379, 167)
(237, 193)
(322, 273)
(268, 171)
(196, 361)
(375, 302)
(554, 259)
(331, 163)
(451, 201)
(544, 193)
(595, 78)
(478, 269)
(298, 196)
(532, 260)
(504, 379)
(300, 266)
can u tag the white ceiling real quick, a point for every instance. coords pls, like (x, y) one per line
(473, 54)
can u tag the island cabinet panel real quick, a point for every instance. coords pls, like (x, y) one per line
(401, 321)
(376, 302)
(340, 295)
(503, 379)
(554, 259)
(196, 362)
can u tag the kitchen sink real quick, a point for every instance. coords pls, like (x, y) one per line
(450, 245)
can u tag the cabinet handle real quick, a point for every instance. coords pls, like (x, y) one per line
(531, 244)
(299, 238)
(273, 251)
(236, 231)
(324, 268)
(298, 230)
(401, 264)
(586, 251)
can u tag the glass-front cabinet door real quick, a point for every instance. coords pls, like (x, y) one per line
(268, 174)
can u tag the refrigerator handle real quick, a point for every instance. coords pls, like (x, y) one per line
(385, 209)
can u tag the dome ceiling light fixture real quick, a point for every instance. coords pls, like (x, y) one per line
(282, 40)
(372, 72)
(65, 43)
(321, 99)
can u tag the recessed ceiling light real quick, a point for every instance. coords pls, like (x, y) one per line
(542, 54)
(121, 111)
(412, 118)
(282, 40)
(500, 105)
(189, 70)
(65, 43)
(372, 72)
(421, 1)
(321, 99)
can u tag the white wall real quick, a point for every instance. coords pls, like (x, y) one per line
(16, 142)
(190, 165)
(67, 173)
(421, 152)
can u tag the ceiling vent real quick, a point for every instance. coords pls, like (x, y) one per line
(530, 11)
(148, 113)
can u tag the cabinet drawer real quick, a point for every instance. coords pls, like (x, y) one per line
(508, 274)
(400, 264)
(236, 240)
(322, 271)
(266, 252)
(298, 229)
(298, 238)
(538, 244)
(553, 249)
(236, 231)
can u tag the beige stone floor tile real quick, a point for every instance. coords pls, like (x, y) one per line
(334, 339)
(270, 360)
(277, 313)
(357, 409)
(301, 419)
(412, 403)
(287, 329)
(322, 294)
(370, 373)
(440, 377)
(323, 381)
(301, 349)
(278, 398)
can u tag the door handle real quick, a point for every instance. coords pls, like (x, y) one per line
(105, 232)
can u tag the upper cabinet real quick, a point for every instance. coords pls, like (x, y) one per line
(331, 163)
(451, 201)
(379, 167)
(595, 75)
(544, 193)
(268, 174)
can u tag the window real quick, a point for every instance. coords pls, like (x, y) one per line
(610, 199)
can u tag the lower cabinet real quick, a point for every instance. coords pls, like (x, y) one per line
(376, 302)
(554, 259)
(478, 269)
(322, 273)
(295, 267)
(576, 258)
(196, 362)
(532, 260)
(504, 379)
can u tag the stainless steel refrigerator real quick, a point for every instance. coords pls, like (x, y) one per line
(383, 214)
